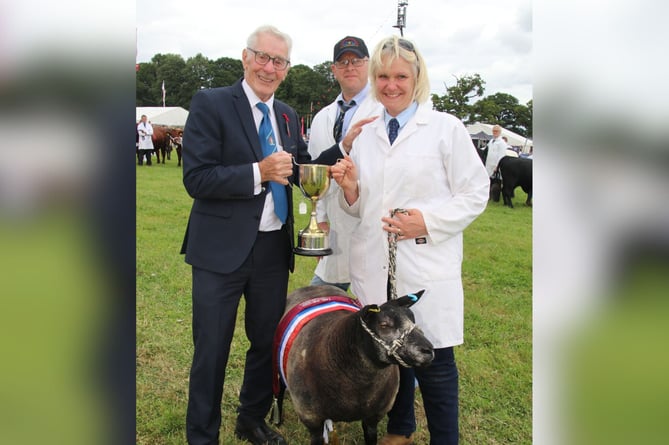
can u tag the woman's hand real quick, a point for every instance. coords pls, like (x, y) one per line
(407, 225)
(346, 175)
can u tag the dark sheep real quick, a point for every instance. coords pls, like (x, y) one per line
(343, 365)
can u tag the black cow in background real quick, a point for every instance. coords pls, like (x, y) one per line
(515, 172)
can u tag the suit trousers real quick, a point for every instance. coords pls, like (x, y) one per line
(263, 280)
(439, 389)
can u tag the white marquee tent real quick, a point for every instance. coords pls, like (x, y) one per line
(515, 139)
(168, 116)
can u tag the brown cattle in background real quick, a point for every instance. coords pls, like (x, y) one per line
(161, 143)
(176, 136)
(165, 139)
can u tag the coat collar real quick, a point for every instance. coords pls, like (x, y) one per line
(243, 109)
(282, 114)
(421, 117)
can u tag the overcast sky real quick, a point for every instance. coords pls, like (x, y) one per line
(456, 37)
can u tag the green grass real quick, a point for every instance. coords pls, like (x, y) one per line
(495, 363)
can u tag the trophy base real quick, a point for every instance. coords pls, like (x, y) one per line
(312, 252)
(312, 241)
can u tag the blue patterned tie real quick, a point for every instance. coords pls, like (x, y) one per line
(339, 123)
(393, 127)
(268, 144)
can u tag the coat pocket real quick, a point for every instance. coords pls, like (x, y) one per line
(212, 208)
(427, 261)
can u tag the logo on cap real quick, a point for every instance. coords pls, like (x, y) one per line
(350, 43)
(346, 43)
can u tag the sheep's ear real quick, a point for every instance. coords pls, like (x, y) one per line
(409, 299)
(369, 311)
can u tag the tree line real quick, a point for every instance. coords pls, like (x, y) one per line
(310, 89)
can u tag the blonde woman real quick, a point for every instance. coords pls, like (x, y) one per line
(422, 161)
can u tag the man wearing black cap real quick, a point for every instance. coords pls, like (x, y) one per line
(329, 127)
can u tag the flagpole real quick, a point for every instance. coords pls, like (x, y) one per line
(163, 94)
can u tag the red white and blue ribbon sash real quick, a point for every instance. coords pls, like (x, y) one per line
(294, 320)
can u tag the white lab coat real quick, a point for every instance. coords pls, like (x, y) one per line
(334, 268)
(433, 167)
(145, 131)
(496, 151)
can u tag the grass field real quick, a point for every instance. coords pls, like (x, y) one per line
(495, 362)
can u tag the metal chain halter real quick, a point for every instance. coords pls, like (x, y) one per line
(392, 259)
(391, 348)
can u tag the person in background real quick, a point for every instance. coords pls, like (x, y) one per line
(145, 147)
(349, 67)
(414, 179)
(496, 150)
(239, 149)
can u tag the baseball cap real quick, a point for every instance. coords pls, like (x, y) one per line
(349, 43)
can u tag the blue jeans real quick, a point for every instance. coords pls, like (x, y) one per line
(439, 388)
(318, 281)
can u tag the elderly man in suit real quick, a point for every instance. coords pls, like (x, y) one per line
(239, 144)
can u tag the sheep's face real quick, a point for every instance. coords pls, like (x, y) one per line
(396, 338)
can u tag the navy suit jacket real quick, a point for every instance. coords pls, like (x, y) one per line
(220, 144)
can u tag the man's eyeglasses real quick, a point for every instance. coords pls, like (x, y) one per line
(263, 59)
(340, 64)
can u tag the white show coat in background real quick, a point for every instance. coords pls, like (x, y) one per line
(334, 268)
(496, 151)
(433, 167)
(145, 131)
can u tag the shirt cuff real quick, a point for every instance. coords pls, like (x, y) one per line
(257, 184)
